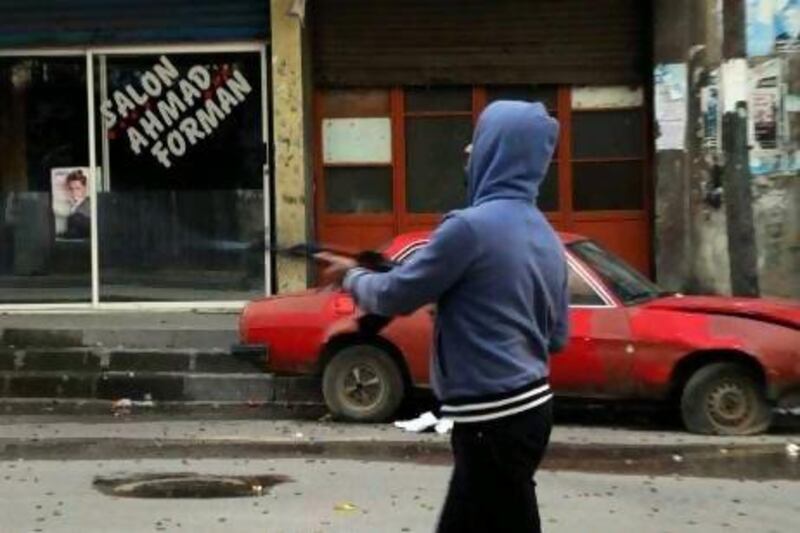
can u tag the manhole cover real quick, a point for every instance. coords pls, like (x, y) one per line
(187, 485)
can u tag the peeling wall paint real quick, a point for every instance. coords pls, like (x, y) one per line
(778, 234)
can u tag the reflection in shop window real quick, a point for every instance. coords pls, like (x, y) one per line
(43, 133)
(353, 190)
(181, 211)
(435, 163)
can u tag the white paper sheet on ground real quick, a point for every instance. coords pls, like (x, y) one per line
(424, 421)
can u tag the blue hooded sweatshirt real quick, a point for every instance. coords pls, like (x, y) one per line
(496, 270)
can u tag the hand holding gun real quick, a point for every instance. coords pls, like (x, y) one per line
(339, 262)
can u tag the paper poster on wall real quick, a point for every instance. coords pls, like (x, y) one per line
(764, 103)
(773, 26)
(357, 140)
(710, 112)
(71, 203)
(670, 106)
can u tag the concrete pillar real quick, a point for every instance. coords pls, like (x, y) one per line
(291, 112)
(672, 232)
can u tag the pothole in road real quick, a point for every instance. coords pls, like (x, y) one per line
(187, 485)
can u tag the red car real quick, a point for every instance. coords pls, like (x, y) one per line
(725, 361)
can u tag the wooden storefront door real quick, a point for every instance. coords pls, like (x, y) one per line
(390, 161)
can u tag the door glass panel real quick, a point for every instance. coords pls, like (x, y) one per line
(607, 185)
(45, 250)
(181, 210)
(602, 134)
(546, 94)
(435, 161)
(548, 190)
(438, 99)
(355, 103)
(352, 190)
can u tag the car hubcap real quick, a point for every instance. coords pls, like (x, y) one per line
(362, 386)
(728, 404)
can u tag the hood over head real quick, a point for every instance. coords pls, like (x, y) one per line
(511, 150)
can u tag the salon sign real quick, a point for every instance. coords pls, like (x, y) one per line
(167, 113)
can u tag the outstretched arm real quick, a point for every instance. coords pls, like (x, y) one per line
(421, 280)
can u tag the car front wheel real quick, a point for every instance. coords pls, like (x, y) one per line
(362, 384)
(724, 399)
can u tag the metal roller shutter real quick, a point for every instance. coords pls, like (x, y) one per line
(32, 23)
(369, 42)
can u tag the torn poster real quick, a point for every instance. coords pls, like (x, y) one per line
(670, 103)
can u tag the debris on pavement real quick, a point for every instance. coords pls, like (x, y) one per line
(792, 450)
(122, 407)
(425, 422)
(345, 507)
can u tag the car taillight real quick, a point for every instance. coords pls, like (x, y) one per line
(343, 305)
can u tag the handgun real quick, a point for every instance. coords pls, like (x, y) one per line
(368, 324)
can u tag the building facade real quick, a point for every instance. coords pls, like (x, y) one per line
(134, 144)
(150, 156)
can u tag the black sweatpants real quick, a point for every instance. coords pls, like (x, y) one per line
(492, 488)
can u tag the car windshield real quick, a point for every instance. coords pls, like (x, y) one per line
(630, 286)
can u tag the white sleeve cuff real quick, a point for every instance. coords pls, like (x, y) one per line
(351, 276)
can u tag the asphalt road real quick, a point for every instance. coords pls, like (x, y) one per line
(355, 496)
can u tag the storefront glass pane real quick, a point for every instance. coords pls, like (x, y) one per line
(358, 190)
(548, 190)
(45, 251)
(608, 186)
(607, 134)
(181, 204)
(435, 161)
(546, 94)
(425, 99)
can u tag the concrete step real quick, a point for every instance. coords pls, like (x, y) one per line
(143, 337)
(74, 359)
(305, 410)
(159, 387)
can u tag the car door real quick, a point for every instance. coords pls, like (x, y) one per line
(597, 360)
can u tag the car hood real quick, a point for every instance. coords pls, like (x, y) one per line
(773, 310)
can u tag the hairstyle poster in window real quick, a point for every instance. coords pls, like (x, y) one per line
(71, 207)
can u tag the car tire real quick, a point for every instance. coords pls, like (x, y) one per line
(362, 384)
(725, 399)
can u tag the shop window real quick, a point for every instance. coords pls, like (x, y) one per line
(438, 99)
(357, 151)
(44, 181)
(435, 161)
(351, 190)
(608, 160)
(548, 190)
(438, 126)
(181, 206)
(546, 94)
(604, 134)
(356, 103)
(607, 185)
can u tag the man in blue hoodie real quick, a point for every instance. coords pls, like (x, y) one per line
(497, 272)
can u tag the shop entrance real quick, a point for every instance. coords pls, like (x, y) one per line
(391, 160)
(134, 176)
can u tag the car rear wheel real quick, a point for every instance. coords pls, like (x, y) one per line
(724, 399)
(362, 384)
